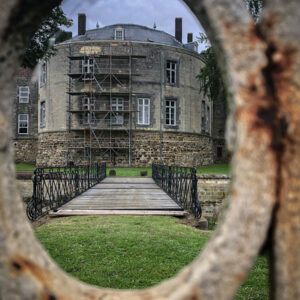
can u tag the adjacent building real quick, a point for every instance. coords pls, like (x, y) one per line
(25, 117)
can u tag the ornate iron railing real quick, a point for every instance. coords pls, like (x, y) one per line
(53, 187)
(180, 183)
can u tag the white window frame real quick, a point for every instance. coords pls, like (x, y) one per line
(171, 109)
(88, 65)
(172, 71)
(43, 114)
(23, 94)
(117, 104)
(122, 34)
(88, 104)
(23, 121)
(43, 75)
(143, 111)
(88, 118)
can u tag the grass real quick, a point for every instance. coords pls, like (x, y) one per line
(215, 169)
(130, 172)
(24, 167)
(132, 251)
(135, 172)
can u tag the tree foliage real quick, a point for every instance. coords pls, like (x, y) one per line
(40, 45)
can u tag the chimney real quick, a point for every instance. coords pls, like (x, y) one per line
(81, 24)
(178, 29)
(190, 37)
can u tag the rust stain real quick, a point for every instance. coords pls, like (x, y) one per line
(255, 35)
(20, 265)
(195, 293)
(270, 22)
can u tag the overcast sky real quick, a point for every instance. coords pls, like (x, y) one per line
(141, 12)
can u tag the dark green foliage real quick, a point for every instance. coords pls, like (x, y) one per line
(40, 43)
(210, 76)
(62, 36)
(254, 7)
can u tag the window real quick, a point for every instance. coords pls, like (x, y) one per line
(89, 119)
(203, 117)
(117, 105)
(87, 65)
(23, 124)
(43, 114)
(43, 77)
(171, 72)
(24, 94)
(171, 112)
(119, 34)
(143, 111)
(88, 104)
(207, 119)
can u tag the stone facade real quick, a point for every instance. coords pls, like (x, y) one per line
(213, 193)
(193, 149)
(186, 142)
(52, 149)
(25, 144)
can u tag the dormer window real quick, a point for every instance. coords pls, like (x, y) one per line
(119, 34)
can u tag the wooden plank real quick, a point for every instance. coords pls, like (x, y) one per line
(125, 186)
(127, 180)
(117, 212)
(124, 192)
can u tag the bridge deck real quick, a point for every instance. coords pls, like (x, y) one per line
(118, 195)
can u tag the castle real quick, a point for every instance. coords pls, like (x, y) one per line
(124, 94)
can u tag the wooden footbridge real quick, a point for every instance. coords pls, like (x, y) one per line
(86, 190)
(122, 196)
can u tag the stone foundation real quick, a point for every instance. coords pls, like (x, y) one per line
(213, 193)
(184, 149)
(25, 150)
(52, 149)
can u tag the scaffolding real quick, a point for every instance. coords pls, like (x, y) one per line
(100, 113)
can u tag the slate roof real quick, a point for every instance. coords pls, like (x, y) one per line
(132, 32)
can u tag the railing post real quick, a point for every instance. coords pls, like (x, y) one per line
(88, 174)
(76, 182)
(169, 180)
(195, 204)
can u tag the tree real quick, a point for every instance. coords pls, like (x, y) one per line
(40, 45)
(210, 76)
(263, 83)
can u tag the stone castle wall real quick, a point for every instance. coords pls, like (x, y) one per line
(184, 149)
(52, 149)
(213, 193)
(25, 150)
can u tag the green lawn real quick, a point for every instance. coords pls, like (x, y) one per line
(24, 167)
(215, 169)
(129, 172)
(135, 172)
(132, 251)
